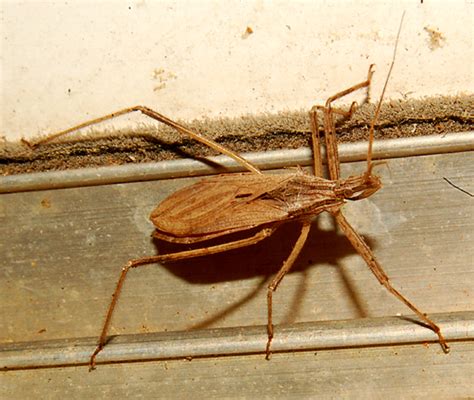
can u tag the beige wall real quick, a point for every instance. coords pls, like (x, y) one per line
(63, 62)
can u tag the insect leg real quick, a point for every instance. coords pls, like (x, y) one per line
(330, 125)
(316, 137)
(316, 141)
(264, 233)
(330, 130)
(279, 276)
(364, 250)
(353, 88)
(158, 117)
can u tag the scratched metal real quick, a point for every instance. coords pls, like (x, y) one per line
(309, 336)
(62, 251)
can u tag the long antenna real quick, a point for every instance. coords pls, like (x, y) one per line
(377, 111)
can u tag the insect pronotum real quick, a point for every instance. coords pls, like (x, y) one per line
(253, 202)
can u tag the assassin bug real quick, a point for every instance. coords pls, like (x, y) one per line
(253, 202)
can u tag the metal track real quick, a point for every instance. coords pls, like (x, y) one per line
(389, 148)
(233, 341)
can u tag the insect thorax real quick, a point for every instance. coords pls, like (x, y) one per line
(304, 194)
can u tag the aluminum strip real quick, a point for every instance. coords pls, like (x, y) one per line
(389, 148)
(384, 331)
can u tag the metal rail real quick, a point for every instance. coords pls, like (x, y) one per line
(383, 149)
(383, 331)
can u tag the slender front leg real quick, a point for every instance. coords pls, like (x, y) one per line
(364, 250)
(316, 142)
(332, 154)
(330, 126)
(354, 88)
(264, 233)
(279, 276)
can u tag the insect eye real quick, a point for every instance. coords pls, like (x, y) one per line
(348, 193)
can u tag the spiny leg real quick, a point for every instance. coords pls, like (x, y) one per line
(316, 142)
(279, 276)
(353, 88)
(330, 126)
(364, 250)
(316, 137)
(264, 233)
(158, 117)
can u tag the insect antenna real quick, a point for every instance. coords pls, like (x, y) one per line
(370, 164)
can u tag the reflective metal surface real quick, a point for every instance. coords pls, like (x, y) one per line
(389, 148)
(383, 331)
(62, 250)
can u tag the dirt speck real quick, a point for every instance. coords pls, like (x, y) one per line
(46, 203)
(436, 39)
(247, 33)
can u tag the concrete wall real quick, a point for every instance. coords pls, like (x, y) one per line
(63, 62)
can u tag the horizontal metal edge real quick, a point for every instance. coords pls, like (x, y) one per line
(382, 331)
(348, 152)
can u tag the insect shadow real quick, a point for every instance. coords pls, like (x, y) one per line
(324, 247)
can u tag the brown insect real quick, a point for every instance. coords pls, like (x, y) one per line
(253, 202)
